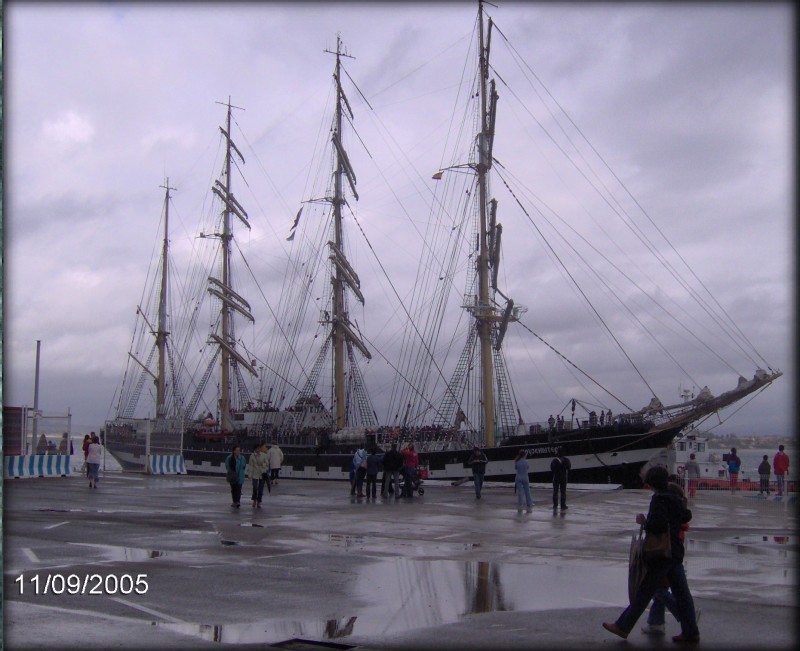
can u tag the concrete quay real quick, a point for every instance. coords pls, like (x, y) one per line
(147, 562)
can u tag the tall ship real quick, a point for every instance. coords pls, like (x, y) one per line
(450, 384)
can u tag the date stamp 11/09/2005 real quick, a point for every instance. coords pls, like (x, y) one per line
(73, 584)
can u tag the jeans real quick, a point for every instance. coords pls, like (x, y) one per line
(763, 484)
(663, 600)
(673, 571)
(258, 490)
(391, 477)
(359, 485)
(372, 483)
(523, 488)
(779, 479)
(477, 477)
(408, 487)
(93, 471)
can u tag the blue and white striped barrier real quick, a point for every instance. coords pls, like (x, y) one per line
(37, 465)
(166, 464)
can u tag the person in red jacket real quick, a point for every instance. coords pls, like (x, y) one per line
(780, 466)
(410, 463)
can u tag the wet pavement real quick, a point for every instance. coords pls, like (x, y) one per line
(165, 562)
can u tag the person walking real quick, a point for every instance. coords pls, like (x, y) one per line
(667, 514)
(94, 453)
(374, 464)
(235, 469)
(734, 464)
(764, 471)
(663, 599)
(560, 466)
(522, 484)
(410, 463)
(392, 463)
(477, 462)
(780, 465)
(258, 469)
(275, 455)
(692, 474)
(360, 466)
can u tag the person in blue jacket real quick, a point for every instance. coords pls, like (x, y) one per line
(734, 465)
(235, 468)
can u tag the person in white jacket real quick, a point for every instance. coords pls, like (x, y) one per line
(275, 455)
(94, 456)
(257, 468)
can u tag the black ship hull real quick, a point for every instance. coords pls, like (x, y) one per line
(599, 455)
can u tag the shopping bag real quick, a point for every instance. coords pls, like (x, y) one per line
(637, 567)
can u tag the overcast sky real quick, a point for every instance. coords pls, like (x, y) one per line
(691, 105)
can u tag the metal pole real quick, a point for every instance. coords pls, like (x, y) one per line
(24, 431)
(147, 446)
(69, 437)
(36, 397)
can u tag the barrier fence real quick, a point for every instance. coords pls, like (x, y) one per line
(37, 465)
(167, 464)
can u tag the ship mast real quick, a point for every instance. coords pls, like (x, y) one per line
(230, 301)
(338, 285)
(161, 334)
(225, 313)
(344, 276)
(484, 312)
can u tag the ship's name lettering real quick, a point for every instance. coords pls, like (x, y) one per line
(547, 450)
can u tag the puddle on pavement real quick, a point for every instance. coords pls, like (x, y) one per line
(755, 544)
(395, 595)
(114, 553)
(389, 596)
(362, 543)
(751, 540)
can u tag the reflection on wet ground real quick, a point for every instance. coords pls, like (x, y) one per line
(115, 553)
(400, 594)
(329, 572)
(755, 543)
(378, 542)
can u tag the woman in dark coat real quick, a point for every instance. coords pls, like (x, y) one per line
(667, 513)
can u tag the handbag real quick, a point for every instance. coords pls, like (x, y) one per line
(232, 475)
(657, 546)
